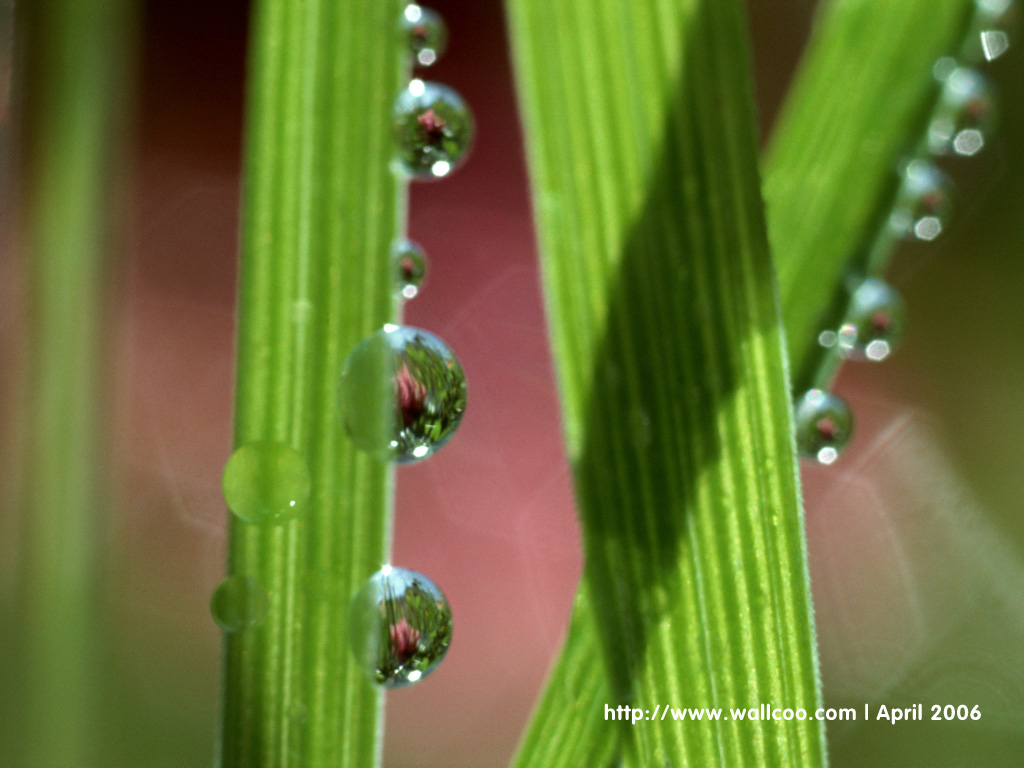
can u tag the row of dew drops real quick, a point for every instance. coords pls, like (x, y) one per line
(961, 125)
(400, 623)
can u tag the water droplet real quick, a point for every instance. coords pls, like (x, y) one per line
(989, 38)
(265, 482)
(401, 626)
(824, 425)
(924, 203)
(410, 264)
(402, 394)
(434, 129)
(425, 33)
(874, 322)
(238, 603)
(827, 339)
(966, 115)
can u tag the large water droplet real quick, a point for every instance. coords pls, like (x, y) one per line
(402, 394)
(874, 322)
(924, 204)
(425, 33)
(401, 626)
(824, 425)
(238, 603)
(434, 129)
(966, 115)
(265, 482)
(410, 265)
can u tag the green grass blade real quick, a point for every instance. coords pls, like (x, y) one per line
(75, 84)
(830, 171)
(670, 362)
(322, 207)
(890, 113)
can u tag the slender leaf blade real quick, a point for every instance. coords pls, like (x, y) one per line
(859, 103)
(670, 364)
(908, 95)
(322, 208)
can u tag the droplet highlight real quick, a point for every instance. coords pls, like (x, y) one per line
(433, 128)
(924, 203)
(425, 33)
(238, 603)
(410, 266)
(824, 425)
(402, 394)
(874, 322)
(966, 115)
(266, 482)
(401, 626)
(993, 21)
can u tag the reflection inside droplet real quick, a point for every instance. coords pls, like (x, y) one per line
(874, 322)
(433, 128)
(965, 115)
(401, 626)
(824, 425)
(402, 394)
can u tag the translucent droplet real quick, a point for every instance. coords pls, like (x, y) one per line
(425, 33)
(966, 115)
(410, 264)
(824, 425)
(924, 204)
(265, 482)
(989, 37)
(401, 626)
(874, 322)
(402, 394)
(434, 129)
(827, 339)
(238, 603)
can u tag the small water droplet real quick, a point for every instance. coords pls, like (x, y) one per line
(966, 115)
(239, 602)
(824, 425)
(827, 339)
(874, 322)
(402, 394)
(924, 204)
(265, 482)
(410, 265)
(401, 626)
(425, 33)
(434, 129)
(989, 37)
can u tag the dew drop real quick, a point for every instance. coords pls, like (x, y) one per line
(993, 21)
(924, 204)
(874, 322)
(434, 129)
(239, 602)
(410, 266)
(402, 394)
(824, 425)
(265, 482)
(401, 626)
(425, 33)
(966, 115)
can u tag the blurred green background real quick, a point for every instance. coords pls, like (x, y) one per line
(916, 537)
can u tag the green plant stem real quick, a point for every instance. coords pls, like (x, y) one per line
(896, 100)
(670, 362)
(75, 85)
(322, 207)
